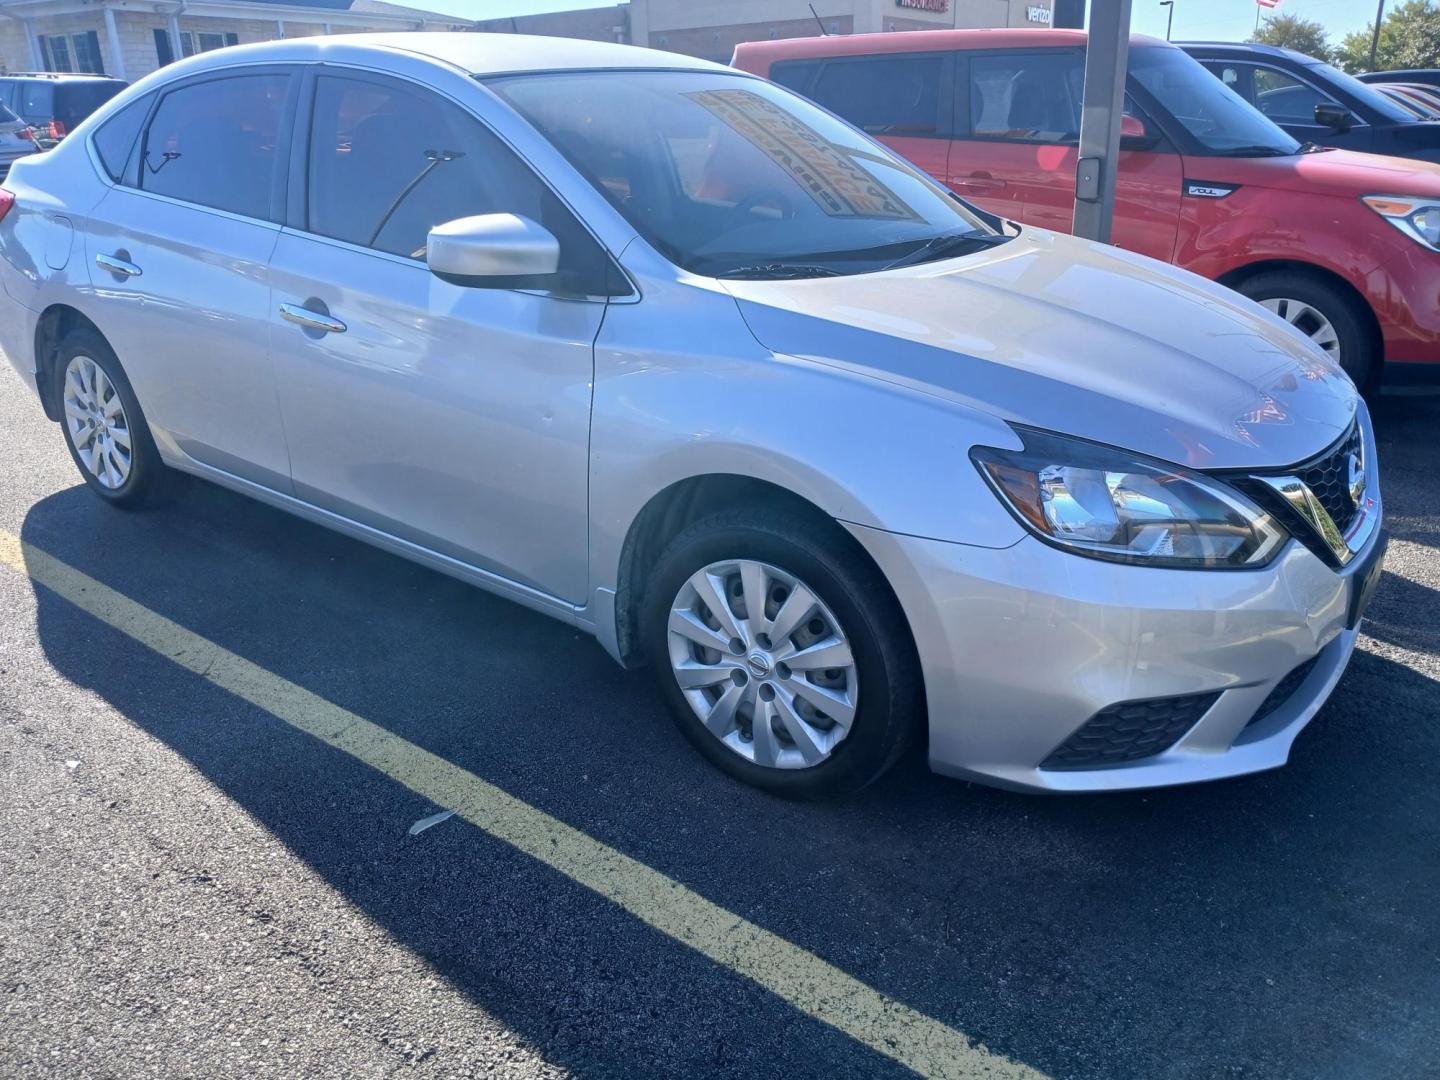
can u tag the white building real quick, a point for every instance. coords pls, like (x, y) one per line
(130, 38)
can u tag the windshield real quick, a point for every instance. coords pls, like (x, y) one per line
(1217, 118)
(1364, 93)
(731, 176)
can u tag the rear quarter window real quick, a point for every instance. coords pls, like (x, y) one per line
(796, 75)
(115, 140)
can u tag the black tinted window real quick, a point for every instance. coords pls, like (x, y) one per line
(116, 137)
(78, 101)
(216, 143)
(895, 96)
(1029, 97)
(36, 101)
(796, 74)
(388, 163)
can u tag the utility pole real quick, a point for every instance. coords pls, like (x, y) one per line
(1375, 37)
(1169, 16)
(1107, 51)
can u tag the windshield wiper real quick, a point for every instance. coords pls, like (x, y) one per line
(948, 244)
(778, 272)
(1255, 151)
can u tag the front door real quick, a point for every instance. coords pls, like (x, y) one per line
(455, 418)
(1023, 134)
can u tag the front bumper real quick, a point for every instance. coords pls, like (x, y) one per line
(1021, 646)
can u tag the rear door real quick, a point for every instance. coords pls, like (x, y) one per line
(1019, 149)
(178, 254)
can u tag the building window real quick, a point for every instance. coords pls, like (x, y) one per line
(191, 42)
(72, 52)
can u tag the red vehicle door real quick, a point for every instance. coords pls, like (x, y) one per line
(1018, 149)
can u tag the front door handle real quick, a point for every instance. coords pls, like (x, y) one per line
(311, 320)
(117, 266)
(979, 181)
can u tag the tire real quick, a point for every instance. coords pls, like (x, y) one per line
(1357, 350)
(128, 478)
(855, 607)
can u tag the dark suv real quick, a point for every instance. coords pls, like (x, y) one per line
(1317, 103)
(52, 103)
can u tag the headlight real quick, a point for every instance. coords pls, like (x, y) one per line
(1110, 504)
(1418, 219)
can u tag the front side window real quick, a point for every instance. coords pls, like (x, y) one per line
(732, 176)
(389, 162)
(1027, 97)
(1285, 99)
(897, 95)
(1218, 120)
(216, 143)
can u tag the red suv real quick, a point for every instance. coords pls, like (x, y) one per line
(1346, 246)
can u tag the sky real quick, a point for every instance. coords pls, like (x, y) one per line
(1229, 20)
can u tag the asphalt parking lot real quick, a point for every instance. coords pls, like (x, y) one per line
(200, 879)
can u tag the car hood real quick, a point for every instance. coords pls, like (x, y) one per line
(1345, 173)
(1074, 337)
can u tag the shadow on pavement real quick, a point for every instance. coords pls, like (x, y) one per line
(1281, 925)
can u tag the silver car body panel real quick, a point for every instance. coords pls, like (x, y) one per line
(513, 439)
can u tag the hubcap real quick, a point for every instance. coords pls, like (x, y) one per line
(1310, 322)
(764, 663)
(95, 422)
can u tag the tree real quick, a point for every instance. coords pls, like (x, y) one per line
(1293, 32)
(1409, 38)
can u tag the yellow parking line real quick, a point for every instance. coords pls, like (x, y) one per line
(800, 978)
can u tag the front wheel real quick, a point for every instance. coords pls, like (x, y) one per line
(781, 652)
(1325, 315)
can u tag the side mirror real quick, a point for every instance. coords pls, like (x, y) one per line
(1334, 115)
(492, 251)
(1134, 135)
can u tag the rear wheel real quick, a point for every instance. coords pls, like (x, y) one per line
(781, 653)
(1325, 314)
(104, 428)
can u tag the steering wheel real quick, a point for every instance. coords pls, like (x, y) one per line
(755, 199)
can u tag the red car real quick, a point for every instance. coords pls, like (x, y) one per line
(1346, 246)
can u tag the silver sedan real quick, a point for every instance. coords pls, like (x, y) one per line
(664, 351)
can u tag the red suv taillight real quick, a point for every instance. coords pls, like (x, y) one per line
(57, 129)
(7, 200)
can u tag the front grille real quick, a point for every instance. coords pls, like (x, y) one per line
(1284, 690)
(1130, 731)
(1328, 478)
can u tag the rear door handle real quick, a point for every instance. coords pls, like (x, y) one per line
(311, 320)
(117, 266)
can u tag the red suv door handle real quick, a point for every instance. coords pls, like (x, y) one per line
(978, 181)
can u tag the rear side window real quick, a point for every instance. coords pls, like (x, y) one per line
(893, 95)
(117, 136)
(79, 100)
(389, 162)
(36, 101)
(216, 143)
(1027, 97)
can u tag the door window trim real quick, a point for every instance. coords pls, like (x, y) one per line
(296, 207)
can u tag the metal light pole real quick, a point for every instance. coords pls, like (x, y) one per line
(1106, 53)
(1375, 37)
(1170, 16)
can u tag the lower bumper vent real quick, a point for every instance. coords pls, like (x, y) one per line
(1284, 690)
(1130, 731)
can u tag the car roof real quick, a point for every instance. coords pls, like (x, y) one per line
(1245, 48)
(918, 41)
(478, 54)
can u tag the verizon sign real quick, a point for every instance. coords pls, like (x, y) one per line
(941, 6)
